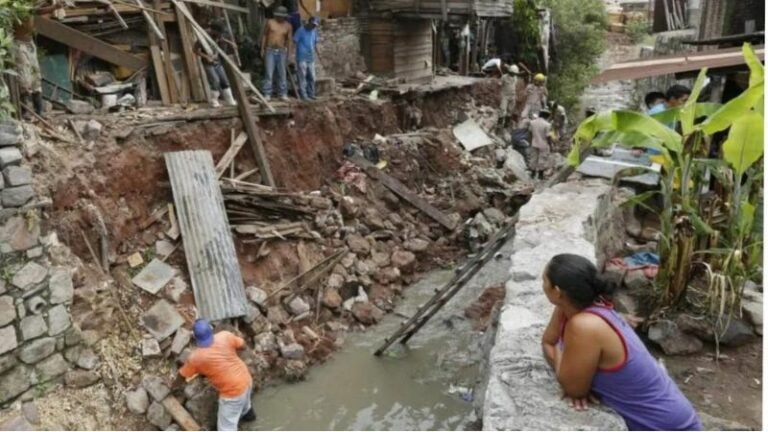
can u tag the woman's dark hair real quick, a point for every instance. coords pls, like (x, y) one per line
(577, 277)
(677, 91)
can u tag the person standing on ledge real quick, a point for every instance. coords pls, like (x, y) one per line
(275, 46)
(305, 41)
(594, 350)
(216, 359)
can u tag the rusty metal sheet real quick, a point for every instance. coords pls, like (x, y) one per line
(205, 232)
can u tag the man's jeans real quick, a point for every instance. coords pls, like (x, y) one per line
(307, 79)
(275, 59)
(231, 409)
(217, 78)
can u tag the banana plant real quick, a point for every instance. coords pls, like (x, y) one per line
(722, 231)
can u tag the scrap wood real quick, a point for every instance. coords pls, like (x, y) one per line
(337, 254)
(92, 252)
(203, 35)
(231, 153)
(71, 124)
(173, 231)
(151, 21)
(362, 84)
(181, 415)
(400, 189)
(246, 174)
(320, 272)
(114, 11)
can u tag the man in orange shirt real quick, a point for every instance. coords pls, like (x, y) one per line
(216, 359)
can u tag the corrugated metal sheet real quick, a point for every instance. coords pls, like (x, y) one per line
(211, 257)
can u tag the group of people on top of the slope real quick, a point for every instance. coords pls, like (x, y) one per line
(285, 47)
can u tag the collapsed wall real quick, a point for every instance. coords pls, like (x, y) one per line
(519, 390)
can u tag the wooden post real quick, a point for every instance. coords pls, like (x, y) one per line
(190, 58)
(249, 124)
(170, 73)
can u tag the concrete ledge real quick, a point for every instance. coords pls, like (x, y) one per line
(519, 391)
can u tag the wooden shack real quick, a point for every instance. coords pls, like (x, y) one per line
(440, 9)
(401, 48)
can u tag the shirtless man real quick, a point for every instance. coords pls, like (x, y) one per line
(275, 47)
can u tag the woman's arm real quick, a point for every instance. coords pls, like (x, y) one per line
(581, 355)
(550, 337)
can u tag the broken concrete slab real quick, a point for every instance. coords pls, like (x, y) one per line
(596, 166)
(150, 348)
(154, 276)
(180, 340)
(162, 320)
(164, 248)
(471, 135)
(31, 274)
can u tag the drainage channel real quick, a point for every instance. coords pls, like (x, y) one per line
(425, 385)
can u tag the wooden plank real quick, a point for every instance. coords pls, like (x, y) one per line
(249, 123)
(181, 415)
(87, 44)
(232, 151)
(400, 189)
(150, 21)
(190, 59)
(220, 5)
(170, 73)
(159, 67)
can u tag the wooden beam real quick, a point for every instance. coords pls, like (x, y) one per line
(181, 415)
(87, 44)
(190, 58)
(229, 156)
(159, 67)
(249, 124)
(221, 5)
(150, 21)
(170, 73)
(400, 189)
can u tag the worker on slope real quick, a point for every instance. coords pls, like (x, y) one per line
(214, 69)
(508, 93)
(305, 41)
(535, 96)
(540, 129)
(25, 55)
(275, 46)
(216, 359)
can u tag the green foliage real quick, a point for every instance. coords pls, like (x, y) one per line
(524, 27)
(579, 27)
(638, 29)
(11, 12)
(718, 235)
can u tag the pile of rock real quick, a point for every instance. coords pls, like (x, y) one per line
(37, 339)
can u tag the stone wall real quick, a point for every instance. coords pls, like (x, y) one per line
(339, 47)
(667, 43)
(37, 339)
(519, 390)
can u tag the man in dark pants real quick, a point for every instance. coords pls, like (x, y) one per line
(214, 70)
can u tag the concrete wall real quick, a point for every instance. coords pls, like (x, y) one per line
(339, 47)
(519, 390)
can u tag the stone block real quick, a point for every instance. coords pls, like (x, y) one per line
(87, 359)
(60, 286)
(7, 310)
(180, 340)
(9, 156)
(18, 234)
(150, 348)
(137, 400)
(51, 367)
(158, 415)
(36, 252)
(30, 275)
(8, 340)
(35, 305)
(17, 176)
(256, 295)
(58, 320)
(81, 378)
(672, 340)
(162, 320)
(33, 326)
(298, 306)
(156, 388)
(79, 107)
(37, 350)
(154, 276)
(14, 383)
(7, 361)
(17, 196)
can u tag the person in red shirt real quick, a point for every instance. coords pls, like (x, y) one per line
(216, 359)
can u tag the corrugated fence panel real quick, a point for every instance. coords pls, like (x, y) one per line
(208, 245)
(413, 50)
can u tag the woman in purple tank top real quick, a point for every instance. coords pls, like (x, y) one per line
(595, 352)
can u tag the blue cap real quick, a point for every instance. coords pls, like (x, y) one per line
(203, 333)
(314, 20)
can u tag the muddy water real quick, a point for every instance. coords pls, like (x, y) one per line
(426, 385)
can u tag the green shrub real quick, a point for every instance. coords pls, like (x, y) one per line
(638, 29)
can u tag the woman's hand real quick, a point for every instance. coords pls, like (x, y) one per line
(581, 404)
